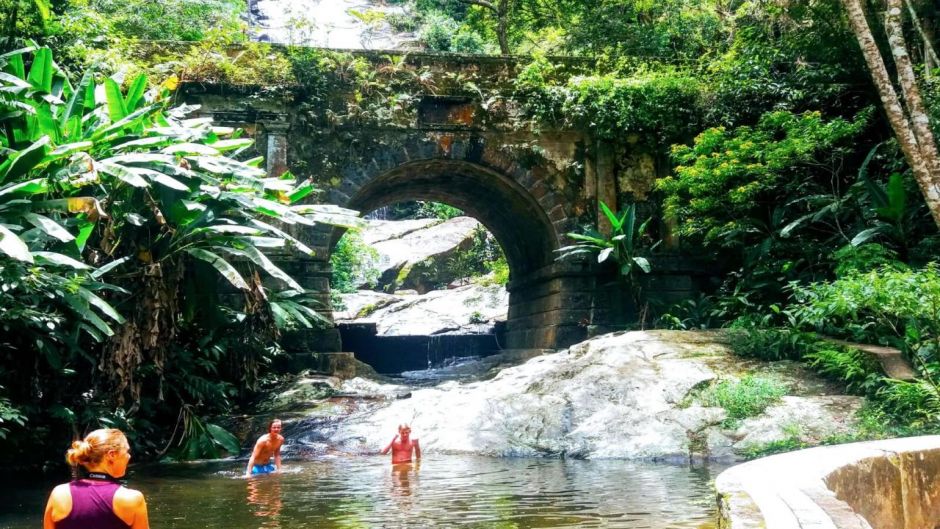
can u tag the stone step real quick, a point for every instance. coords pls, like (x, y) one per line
(892, 360)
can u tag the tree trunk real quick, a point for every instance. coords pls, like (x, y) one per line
(923, 165)
(502, 26)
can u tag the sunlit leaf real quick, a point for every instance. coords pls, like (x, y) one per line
(49, 226)
(228, 271)
(13, 246)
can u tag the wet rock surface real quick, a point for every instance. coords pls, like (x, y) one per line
(622, 395)
(470, 309)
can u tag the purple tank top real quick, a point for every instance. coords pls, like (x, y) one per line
(92, 506)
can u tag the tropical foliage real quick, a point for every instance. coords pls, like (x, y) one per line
(623, 247)
(132, 242)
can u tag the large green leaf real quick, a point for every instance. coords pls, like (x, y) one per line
(271, 229)
(116, 108)
(135, 93)
(160, 178)
(40, 73)
(228, 145)
(122, 173)
(223, 438)
(13, 246)
(70, 119)
(49, 227)
(14, 80)
(80, 306)
(100, 304)
(264, 263)
(135, 119)
(897, 199)
(611, 216)
(228, 271)
(21, 163)
(44, 8)
(35, 186)
(14, 62)
(58, 259)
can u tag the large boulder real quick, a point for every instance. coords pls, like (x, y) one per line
(415, 254)
(472, 308)
(622, 395)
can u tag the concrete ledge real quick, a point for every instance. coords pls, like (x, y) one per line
(891, 484)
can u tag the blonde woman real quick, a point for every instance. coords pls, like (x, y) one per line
(97, 501)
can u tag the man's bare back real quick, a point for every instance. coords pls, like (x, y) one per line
(402, 446)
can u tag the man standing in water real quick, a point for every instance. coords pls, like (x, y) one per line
(402, 445)
(268, 446)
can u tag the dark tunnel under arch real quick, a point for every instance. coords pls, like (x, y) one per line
(504, 207)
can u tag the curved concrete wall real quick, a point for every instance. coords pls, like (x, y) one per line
(891, 484)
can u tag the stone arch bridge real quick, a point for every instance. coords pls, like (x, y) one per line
(469, 146)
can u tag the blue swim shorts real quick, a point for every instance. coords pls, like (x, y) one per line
(263, 469)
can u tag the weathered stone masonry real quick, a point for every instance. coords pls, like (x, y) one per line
(528, 187)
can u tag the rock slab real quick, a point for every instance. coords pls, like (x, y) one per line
(621, 395)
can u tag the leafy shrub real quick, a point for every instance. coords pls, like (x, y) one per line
(694, 313)
(402, 22)
(122, 224)
(656, 106)
(743, 398)
(768, 344)
(883, 306)
(500, 269)
(851, 259)
(915, 404)
(725, 180)
(436, 210)
(438, 31)
(353, 263)
(856, 369)
(467, 41)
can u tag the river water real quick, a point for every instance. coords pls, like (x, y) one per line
(444, 491)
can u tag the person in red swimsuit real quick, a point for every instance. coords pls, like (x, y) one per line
(97, 500)
(402, 446)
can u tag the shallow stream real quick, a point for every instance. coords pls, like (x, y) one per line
(445, 491)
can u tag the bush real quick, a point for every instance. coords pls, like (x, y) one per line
(884, 306)
(856, 369)
(353, 264)
(743, 398)
(467, 41)
(768, 344)
(852, 259)
(438, 32)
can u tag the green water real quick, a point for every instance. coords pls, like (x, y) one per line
(445, 491)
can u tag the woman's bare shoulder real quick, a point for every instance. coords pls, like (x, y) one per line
(128, 497)
(61, 492)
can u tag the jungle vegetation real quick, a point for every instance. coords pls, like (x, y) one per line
(795, 141)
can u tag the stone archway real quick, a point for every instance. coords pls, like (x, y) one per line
(545, 296)
(512, 215)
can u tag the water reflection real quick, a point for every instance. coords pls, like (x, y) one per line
(446, 491)
(402, 476)
(264, 499)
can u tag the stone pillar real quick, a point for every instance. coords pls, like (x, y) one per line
(551, 308)
(312, 272)
(606, 183)
(276, 154)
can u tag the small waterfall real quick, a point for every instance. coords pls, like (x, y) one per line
(380, 214)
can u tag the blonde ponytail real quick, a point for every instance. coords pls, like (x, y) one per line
(91, 450)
